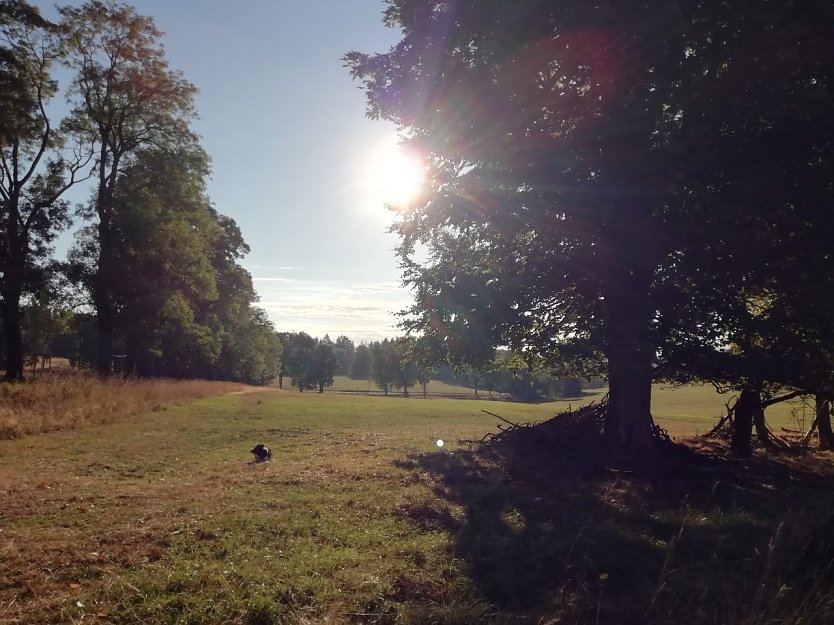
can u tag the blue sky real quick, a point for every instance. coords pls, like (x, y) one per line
(293, 156)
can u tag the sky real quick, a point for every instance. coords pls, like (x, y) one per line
(295, 161)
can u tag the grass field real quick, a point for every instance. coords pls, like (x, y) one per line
(344, 384)
(159, 518)
(65, 399)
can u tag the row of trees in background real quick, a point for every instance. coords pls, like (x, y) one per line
(155, 271)
(401, 363)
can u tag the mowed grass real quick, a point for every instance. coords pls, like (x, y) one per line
(361, 518)
(692, 410)
(344, 384)
(167, 503)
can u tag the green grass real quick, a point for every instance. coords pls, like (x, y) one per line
(362, 519)
(344, 384)
(690, 410)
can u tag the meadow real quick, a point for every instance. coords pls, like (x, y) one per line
(159, 517)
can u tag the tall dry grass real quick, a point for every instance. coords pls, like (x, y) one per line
(65, 399)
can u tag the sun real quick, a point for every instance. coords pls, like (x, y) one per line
(398, 176)
(401, 178)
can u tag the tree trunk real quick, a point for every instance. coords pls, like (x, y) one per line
(762, 433)
(12, 332)
(281, 380)
(629, 424)
(103, 299)
(425, 395)
(18, 251)
(321, 387)
(823, 406)
(746, 406)
(106, 270)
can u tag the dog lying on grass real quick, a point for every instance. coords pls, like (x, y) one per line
(262, 453)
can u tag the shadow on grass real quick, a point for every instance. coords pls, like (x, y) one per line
(710, 541)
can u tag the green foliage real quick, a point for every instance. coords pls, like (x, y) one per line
(324, 364)
(614, 179)
(361, 367)
(345, 353)
(385, 364)
(297, 359)
(125, 99)
(251, 349)
(38, 163)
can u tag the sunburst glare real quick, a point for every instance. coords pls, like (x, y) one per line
(392, 176)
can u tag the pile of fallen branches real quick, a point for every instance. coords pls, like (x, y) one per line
(571, 442)
(765, 436)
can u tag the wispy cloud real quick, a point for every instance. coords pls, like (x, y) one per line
(362, 311)
(271, 267)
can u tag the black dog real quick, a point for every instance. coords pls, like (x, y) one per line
(262, 453)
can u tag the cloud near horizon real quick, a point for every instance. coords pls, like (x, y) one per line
(363, 312)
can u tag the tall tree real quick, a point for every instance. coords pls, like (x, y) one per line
(748, 293)
(345, 353)
(297, 360)
(425, 353)
(384, 364)
(566, 153)
(324, 363)
(36, 164)
(361, 367)
(403, 363)
(126, 98)
(165, 229)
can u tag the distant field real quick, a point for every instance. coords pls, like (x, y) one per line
(435, 387)
(689, 410)
(683, 411)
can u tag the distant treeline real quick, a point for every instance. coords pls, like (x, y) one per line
(401, 363)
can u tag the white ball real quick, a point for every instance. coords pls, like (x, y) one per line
(440, 442)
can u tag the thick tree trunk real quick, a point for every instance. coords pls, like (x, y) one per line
(13, 278)
(748, 403)
(823, 409)
(106, 271)
(629, 424)
(103, 300)
(12, 332)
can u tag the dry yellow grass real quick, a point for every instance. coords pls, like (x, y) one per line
(65, 400)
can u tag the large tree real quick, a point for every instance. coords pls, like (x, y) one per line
(126, 98)
(748, 296)
(165, 228)
(36, 164)
(566, 153)
(324, 363)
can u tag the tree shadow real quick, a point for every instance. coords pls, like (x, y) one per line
(706, 540)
